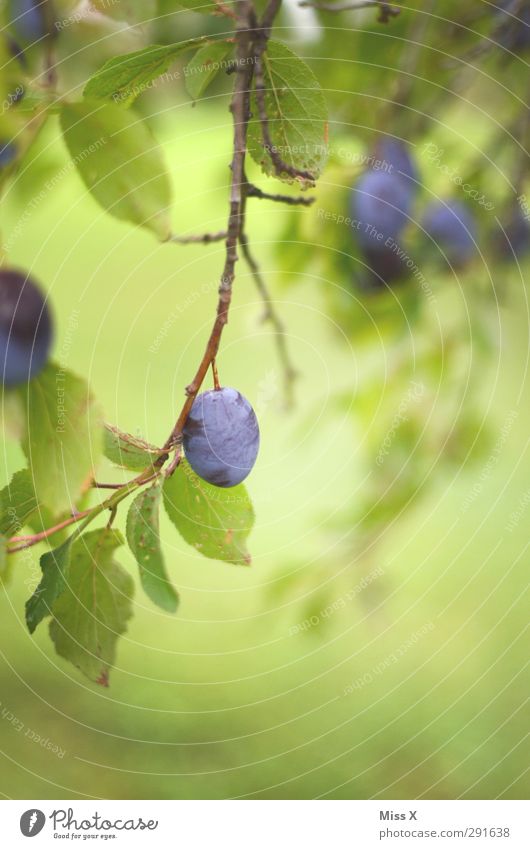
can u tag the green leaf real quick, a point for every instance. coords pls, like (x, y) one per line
(204, 67)
(63, 442)
(144, 540)
(297, 114)
(120, 164)
(132, 11)
(17, 503)
(123, 78)
(213, 520)
(54, 565)
(128, 451)
(94, 609)
(205, 7)
(3, 557)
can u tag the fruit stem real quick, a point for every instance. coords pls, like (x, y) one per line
(216, 384)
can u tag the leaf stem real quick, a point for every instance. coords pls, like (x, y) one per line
(33, 539)
(87, 516)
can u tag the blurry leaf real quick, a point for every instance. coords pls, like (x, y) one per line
(204, 67)
(3, 556)
(44, 518)
(297, 114)
(123, 78)
(12, 415)
(17, 502)
(54, 565)
(213, 520)
(131, 11)
(128, 451)
(288, 584)
(120, 163)
(35, 100)
(95, 607)
(469, 440)
(144, 540)
(64, 436)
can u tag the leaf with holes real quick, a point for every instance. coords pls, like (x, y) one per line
(54, 565)
(215, 521)
(128, 451)
(95, 607)
(297, 114)
(143, 537)
(17, 503)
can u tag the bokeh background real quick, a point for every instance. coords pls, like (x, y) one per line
(377, 646)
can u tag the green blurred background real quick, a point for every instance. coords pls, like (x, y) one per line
(281, 680)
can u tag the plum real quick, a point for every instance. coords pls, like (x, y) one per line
(452, 228)
(221, 437)
(25, 328)
(513, 24)
(514, 242)
(8, 153)
(381, 204)
(392, 156)
(384, 266)
(27, 20)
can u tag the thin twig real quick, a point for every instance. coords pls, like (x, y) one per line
(202, 238)
(289, 372)
(255, 192)
(33, 539)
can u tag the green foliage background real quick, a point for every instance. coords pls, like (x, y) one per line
(253, 688)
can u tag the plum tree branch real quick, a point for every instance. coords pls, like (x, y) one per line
(289, 372)
(33, 539)
(255, 192)
(201, 238)
(239, 107)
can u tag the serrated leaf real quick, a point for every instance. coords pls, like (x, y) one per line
(3, 557)
(204, 7)
(17, 502)
(64, 438)
(297, 114)
(123, 78)
(143, 537)
(54, 565)
(215, 521)
(120, 164)
(204, 67)
(95, 607)
(128, 451)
